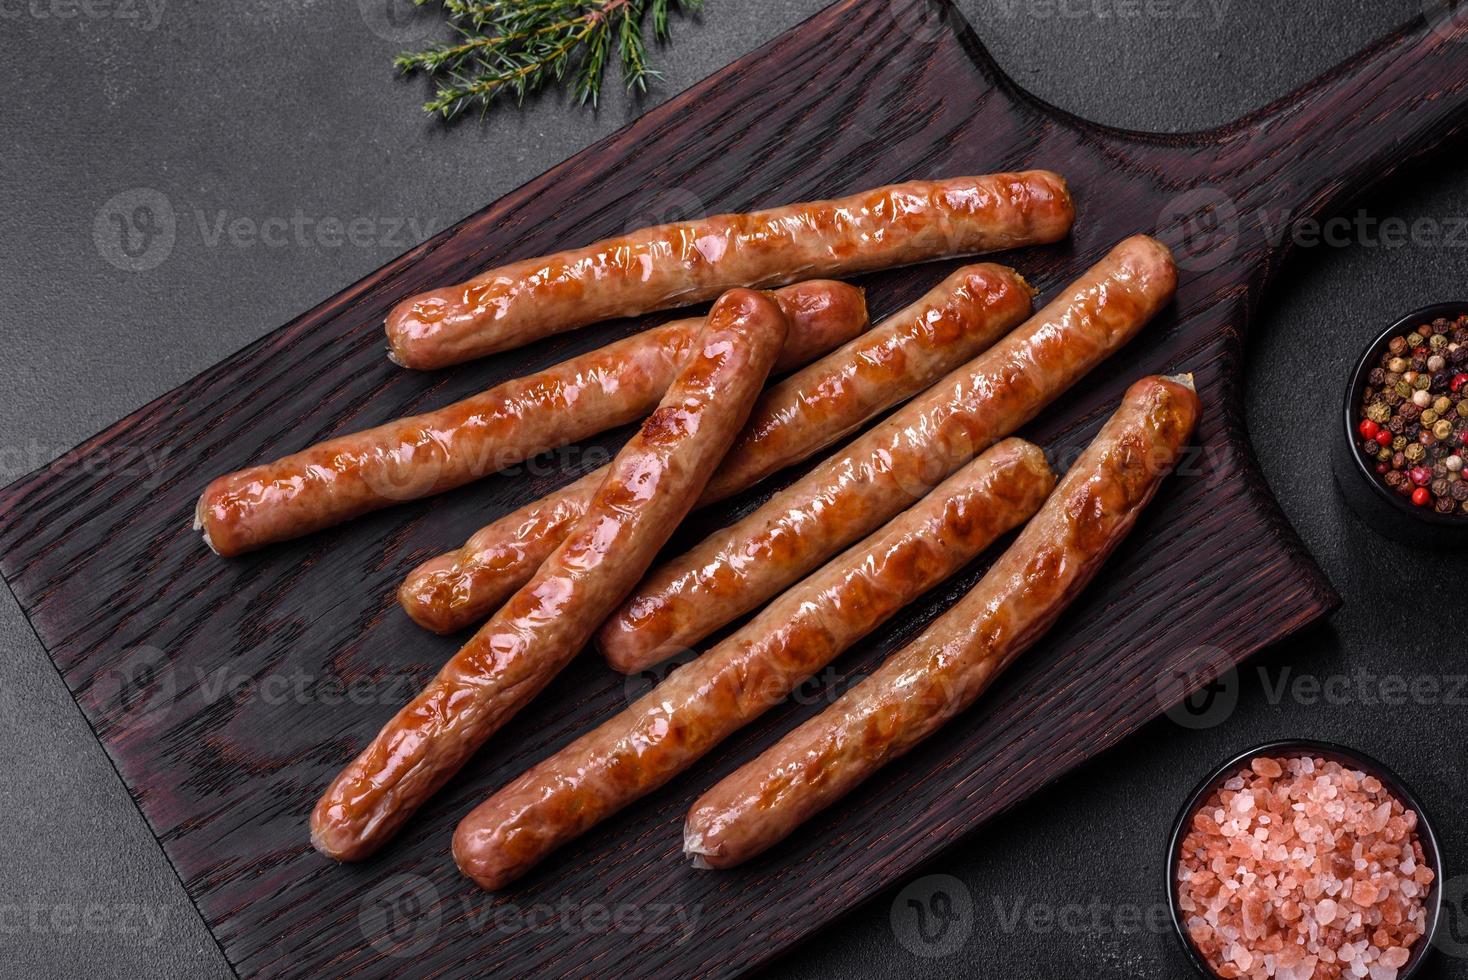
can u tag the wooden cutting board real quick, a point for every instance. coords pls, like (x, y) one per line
(228, 693)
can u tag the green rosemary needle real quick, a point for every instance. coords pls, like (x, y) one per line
(517, 46)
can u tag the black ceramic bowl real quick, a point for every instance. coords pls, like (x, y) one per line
(1379, 506)
(1326, 750)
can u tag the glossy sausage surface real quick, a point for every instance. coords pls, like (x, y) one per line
(648, 490)
(676, 264)
(421, 455)
(946, 667)
(736, 569)
(810, 410)
(704, 701)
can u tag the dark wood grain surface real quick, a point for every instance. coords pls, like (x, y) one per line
(228, 693)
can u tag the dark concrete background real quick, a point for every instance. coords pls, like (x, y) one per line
(265, 110)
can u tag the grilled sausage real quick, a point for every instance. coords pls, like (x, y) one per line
(422, 455)
(684, 717)
(950, 664)
(734, 570)
(650, 487)
(676, 264)
(807, 412)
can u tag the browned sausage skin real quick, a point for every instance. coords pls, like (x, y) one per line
(648, 490)
(676, 264)
(735, 569)
(810, 410)
(422, 455)
(684, 717)
(951, 663)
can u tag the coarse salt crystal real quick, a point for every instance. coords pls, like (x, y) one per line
(1294, 867)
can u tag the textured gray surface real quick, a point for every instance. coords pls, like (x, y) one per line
(260, 123)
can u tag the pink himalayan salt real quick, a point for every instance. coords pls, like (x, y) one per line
(1300, 869)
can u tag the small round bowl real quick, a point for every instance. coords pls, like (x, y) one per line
(1292, 748)
(1376, 504)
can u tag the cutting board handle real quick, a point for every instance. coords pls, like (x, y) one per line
(1300, 158)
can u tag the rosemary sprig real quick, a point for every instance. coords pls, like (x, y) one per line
(518, 46)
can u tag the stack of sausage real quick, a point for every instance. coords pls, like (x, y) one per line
(831, 557)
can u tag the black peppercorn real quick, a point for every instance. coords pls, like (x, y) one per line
(1408, 400)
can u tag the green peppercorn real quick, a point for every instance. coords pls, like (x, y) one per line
(1422, 383)
(1379, 412)
(1463, 408)
(1415, 453)
(1443, 405)
(1428, 416)
(1443, 429)
(1404, 388)
(1397, 365)
(1415, 339)
(1437, 341)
